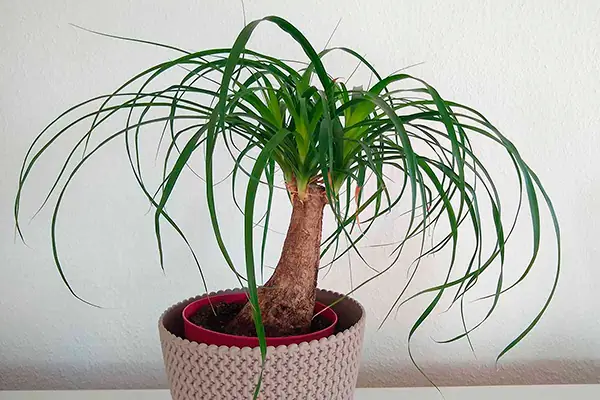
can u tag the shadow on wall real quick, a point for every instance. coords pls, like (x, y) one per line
(61, 376)
(526, 373)
(142, 376)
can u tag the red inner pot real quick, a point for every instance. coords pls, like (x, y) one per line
(200, 334)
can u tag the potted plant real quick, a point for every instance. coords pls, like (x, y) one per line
(338, 150)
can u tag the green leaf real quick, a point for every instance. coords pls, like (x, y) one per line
(261, 161)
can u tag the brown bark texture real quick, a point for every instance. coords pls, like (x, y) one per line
(287, 300)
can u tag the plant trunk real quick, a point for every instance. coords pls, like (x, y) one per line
(287, 300)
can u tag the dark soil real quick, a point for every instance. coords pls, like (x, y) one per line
(224, 313)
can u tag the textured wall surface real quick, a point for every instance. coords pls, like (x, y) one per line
(532, 67)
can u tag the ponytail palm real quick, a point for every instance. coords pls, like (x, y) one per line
(339, 149)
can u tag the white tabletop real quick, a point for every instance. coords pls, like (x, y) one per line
(555, 392)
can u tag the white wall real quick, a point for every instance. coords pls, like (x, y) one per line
(532, 67)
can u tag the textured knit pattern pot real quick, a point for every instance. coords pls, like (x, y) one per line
(319, 370)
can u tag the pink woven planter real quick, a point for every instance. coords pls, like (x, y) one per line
(325, 369)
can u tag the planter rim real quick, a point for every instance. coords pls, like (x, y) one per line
(280, 348)
(214, 337)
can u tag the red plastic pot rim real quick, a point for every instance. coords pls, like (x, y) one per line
(200, 334)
